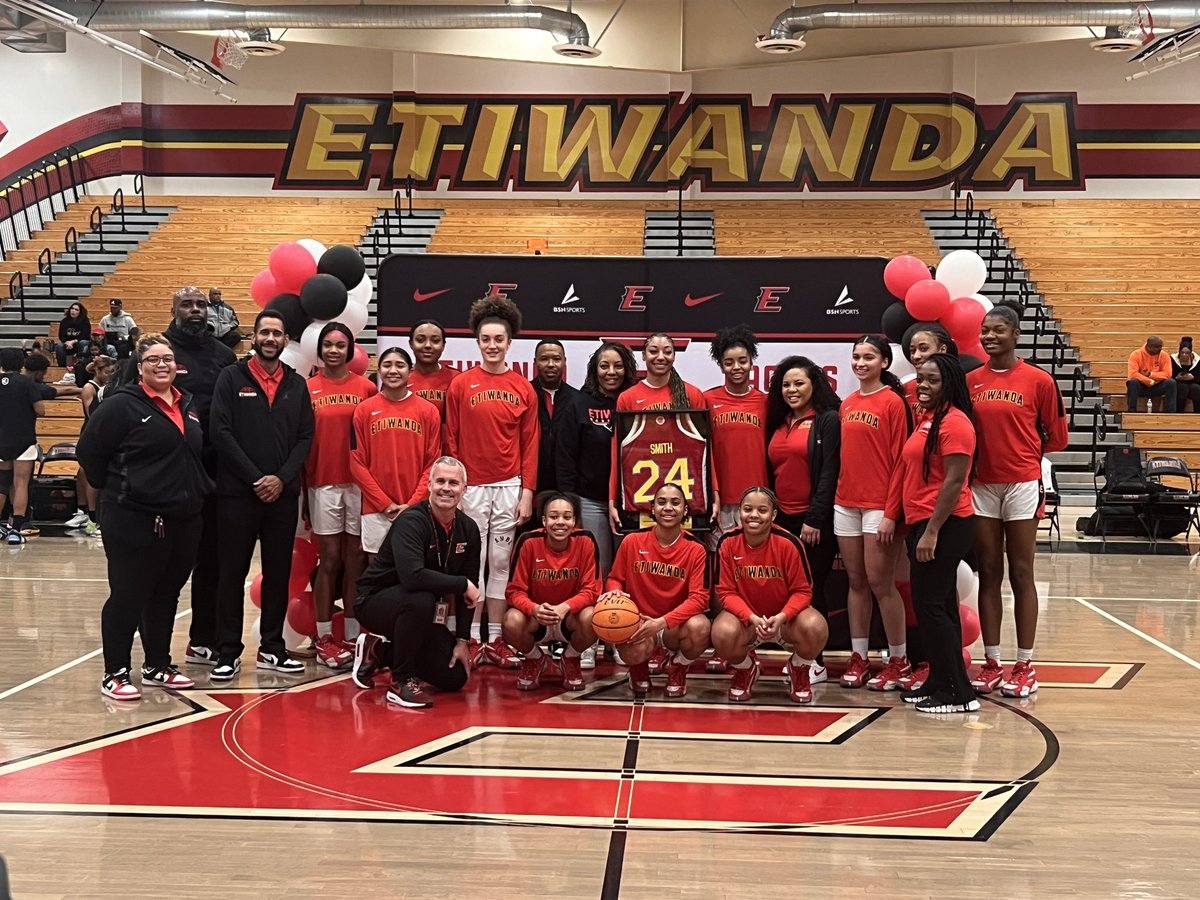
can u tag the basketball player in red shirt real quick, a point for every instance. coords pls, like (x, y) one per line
(765, 587)
(397, 437)
(930, 486)
(665, 570)
(1020, 418)
(553, 586)
(875, 423)
(429, 379)
(333, 499)
(492, 426)
(922, 341)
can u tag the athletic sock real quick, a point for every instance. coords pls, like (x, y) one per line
(475, 632)
(900, 651)
(535, 653)
(493, 631)
(350, 628)
(860, 646)
(1024, 655)
(91, 514)
(18, 522)
(681, 659)
(324, 628)
(745, 663)
(570, 652)
(992, 652)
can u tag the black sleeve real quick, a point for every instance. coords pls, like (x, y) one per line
(463, 613)
(290, 470)
(409, 538)
(62, 331)
(820, 507)
(220, 430)
(566, 451)
(101, 440)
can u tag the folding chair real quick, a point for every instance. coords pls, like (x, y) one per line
(1125, 492)
(1052, 498)
(1172, 496)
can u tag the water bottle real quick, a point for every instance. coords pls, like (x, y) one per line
(1149, 405)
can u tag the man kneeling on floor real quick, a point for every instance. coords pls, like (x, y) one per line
(415, 598)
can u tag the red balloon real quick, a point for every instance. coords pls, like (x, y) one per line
(305, 552)
(256, 590)
(291, 265)
(969, 620)
(927, 300)
(263, 288)
(964, 319)
(360, 362)
(302, 614)
(973, 348)
(967, 658)
(902, 273)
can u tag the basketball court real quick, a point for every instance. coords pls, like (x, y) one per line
(270, 786)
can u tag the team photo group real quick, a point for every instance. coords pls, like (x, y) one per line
(480, 517)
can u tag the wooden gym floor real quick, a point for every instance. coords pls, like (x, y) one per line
(265, 790)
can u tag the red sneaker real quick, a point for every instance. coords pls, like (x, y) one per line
(799, 686)
(742, 683)
(476, 650)
(166, 677)
(530, 675)
(856, 672)
(572, 670)
(889, 677)
(501, 655)
(330, 652)
(1022, 680)
(677, 679)
(916, 678)
(988, 678)
(717, 665)
(639, 678)
(659, 660)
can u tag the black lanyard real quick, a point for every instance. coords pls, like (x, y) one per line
(438, 533)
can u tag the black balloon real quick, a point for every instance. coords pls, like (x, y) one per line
(344, 263)
(895, 321)
(969, 363)
(295, 319)
(323, 296)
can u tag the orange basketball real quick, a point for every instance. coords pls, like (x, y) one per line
(615, 617)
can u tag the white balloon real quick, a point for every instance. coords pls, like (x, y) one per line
(963, 272)
(295, 357)
(315, 248)
(984, 301)
(292, 639)
(900, 366)
(966, 584)
(354, 317)
(361, 292)
(972, 598)
(310, 340)
(256, 632)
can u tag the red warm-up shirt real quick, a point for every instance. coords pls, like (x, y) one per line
(1019, 416)
(539, 574)
(642, 397)
(433, 387)
(333, 404)
(739, 437)
(909, 489)
(788, 452)
(492, 426)
(393, 446)
(874, 428)
(663, 581)
(763, 580)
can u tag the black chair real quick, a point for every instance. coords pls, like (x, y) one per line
(1171, 497)
(1052, 498)
(1125, 493)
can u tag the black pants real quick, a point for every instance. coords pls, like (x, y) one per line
(203, 632)
(244, 522)
(1188, 390)
(419, 647)
(147, 568)
(935, 600)
(820, 557)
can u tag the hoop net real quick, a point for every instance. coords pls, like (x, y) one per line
(1145, 22)
(226, 52)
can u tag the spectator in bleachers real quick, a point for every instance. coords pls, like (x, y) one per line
(119, 327)
(222, 320)
(1185, 369)
(1150, 376)
(74, 332)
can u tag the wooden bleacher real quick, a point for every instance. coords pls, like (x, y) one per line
(568, 227)
(1114, 272)
(51, 235)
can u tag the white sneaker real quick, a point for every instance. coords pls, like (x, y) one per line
(78, 520)
(587, 659)
(617, 657)
(818, 674)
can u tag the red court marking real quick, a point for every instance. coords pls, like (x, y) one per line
(1069, 673)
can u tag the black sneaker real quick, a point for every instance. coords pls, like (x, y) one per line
(166, 677)
(915, 695)
(226, 669)
(941, 703)
(409, 694)
(366, 663)
(279, 662)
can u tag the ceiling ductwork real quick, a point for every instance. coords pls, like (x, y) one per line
(176, 16)
(788, 30)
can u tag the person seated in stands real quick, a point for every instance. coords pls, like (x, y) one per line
(1185, 369)
(118, 327)
(1150, 376)
(222, 320)
(74, 332)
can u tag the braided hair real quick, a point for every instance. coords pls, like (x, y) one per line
(679, 397)
(954, 395)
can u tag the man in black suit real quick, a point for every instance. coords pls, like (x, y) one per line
(556, 400)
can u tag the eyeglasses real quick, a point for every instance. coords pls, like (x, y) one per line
(158, 360)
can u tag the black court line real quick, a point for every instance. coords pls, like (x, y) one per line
(610, 888)
(1053, 748)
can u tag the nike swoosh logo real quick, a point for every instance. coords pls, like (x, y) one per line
(317, 391)
(643, 400)
(541, 559)
(475, 386)
(376, 412)
(147, 419)
(976, 387)
(737, 557)
(689, 300)
(644, 552)
(718, 405)
(422, 296)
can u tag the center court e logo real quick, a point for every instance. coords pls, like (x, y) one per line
(842, 306)
(570, 303)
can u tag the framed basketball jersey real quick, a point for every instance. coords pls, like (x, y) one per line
(659, 447)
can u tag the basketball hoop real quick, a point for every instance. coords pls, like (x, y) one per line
(227, 53)
(1145, 22)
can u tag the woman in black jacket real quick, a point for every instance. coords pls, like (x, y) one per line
(804, 459)
(141, 449)
(74, 331)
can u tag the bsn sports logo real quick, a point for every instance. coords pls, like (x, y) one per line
(571, 302)
(843, 305)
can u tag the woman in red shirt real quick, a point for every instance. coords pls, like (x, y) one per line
(765, 587)
(553, 586)
(429, 379)
(875, 423)
(921, 341)
(334, 502)
(665, 570)
(930, 486)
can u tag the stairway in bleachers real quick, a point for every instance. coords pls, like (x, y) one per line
(686, 232)
(393, 231)
(1042, 342)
